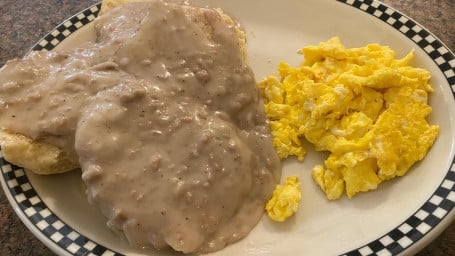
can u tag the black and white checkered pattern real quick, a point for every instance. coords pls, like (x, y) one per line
(418, 225)
(44, 219)
(411, 230)
(67, 28)
(436, 50)
(19, 187)
(443, 199)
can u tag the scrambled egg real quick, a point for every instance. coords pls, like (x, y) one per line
(285, 200)
(365, 107)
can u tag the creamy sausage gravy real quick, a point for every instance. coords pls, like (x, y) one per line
(165, 119)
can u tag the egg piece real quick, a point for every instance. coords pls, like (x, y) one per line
(402, 136)
(330, 181)
(285, 200)
(364, 106)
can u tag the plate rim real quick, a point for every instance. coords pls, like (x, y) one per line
(65, 240)
(55, 233)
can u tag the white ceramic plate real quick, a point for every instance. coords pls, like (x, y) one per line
(401, 217)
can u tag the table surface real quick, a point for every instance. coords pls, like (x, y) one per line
(23, 23)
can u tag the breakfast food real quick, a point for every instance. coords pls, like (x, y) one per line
(40, 157)
(365, 107)
(171, 138)
(285, 200)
